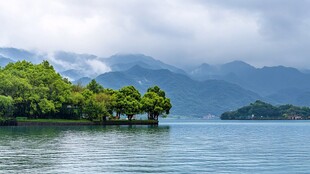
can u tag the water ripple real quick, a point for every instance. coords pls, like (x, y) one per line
(190, 147)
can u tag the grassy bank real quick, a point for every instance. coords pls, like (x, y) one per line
(132, 122)
(53, 120)
(66, 122)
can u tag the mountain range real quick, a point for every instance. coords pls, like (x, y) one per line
(188, 96)
(205, 89)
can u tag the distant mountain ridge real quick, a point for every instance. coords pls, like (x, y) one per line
(265, 81)
(118, 62)
(15, 54)
(204, 89)
(123, 62)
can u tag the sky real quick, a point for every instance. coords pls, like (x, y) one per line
(179, 32)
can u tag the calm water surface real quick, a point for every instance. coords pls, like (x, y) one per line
(172, 147)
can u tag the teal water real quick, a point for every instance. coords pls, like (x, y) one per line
(172, 147)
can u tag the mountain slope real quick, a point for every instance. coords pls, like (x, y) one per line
(4, 61)
(20, 54)
(72, 74)
(189, 97)
(90, 65)
(75, 66)
(265, 81)
(206, 71)
(293, 96)
(122, 62)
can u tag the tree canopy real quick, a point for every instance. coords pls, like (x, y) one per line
(38, 91)
(155, 103)
(94, 87)
(6, 106)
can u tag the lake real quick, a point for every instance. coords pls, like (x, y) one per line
(172, 147)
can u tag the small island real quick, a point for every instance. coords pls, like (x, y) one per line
(260, 110)
(35, 94)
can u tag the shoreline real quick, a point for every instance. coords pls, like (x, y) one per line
(80, 123)
(105, 123)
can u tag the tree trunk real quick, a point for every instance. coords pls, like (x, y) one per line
(156, 117)
(129, 117)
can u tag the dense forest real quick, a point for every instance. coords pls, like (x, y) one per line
(38, 91)
(264, 111)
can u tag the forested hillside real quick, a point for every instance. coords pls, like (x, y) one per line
(264, 111)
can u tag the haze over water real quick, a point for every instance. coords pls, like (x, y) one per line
(173, 147)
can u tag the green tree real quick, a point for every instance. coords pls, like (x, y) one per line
(155, 104)
(96, 107)
(6, 106)
(38, 91)
(77, 87)
(94, 87)
(118, 103)
(128, 101)
(132, 107)
(76, 105)
(157, 90)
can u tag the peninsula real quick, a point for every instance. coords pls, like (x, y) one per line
(35, 94)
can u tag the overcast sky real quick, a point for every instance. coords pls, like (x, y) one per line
(180, 32)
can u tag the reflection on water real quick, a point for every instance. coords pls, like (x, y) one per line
(80, 149)
(173, 147)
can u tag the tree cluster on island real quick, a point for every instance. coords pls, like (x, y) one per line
(38, 91)
(260, 110)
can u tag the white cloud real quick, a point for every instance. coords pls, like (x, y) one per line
(97, 67)
(175, 31)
